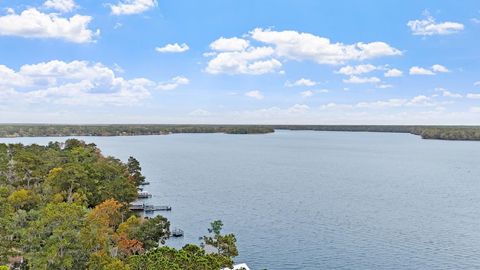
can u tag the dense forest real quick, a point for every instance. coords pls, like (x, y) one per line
(426, 132)
(65, 206)
(123, 130)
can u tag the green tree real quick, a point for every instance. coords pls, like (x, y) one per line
(153, 231)
(23, 199)
(135, 171)
(54, 239)
(225, 245)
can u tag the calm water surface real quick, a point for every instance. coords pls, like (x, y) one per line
(318, 200)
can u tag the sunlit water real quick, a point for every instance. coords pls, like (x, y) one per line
(317, 200)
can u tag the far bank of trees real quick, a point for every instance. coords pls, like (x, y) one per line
(426, 132)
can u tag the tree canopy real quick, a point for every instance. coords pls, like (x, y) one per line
(65, 206)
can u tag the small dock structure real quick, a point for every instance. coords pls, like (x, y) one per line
(149, 207)
(145, 183)
(144, 195)
(176, 233)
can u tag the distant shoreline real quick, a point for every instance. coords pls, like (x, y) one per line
(459, 133)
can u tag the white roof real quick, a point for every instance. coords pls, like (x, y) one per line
(238, 266)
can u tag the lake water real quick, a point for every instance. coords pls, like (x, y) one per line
(318, 200)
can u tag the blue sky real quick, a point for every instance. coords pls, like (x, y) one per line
(265, 62)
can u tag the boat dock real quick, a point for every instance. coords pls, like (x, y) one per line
(176, 233)
(144, 195)
(149, 207)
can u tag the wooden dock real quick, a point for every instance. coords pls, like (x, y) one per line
(144, 195)
(149, 207)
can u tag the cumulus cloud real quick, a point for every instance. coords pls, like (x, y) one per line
(238, 56)
(75, 83)
(306, 94)
(360, 80)
(254, 94)
(440, 68)
(424, 71)
(174, 83)
(32, 23)
(356, 70)
(420, 71)
(393, 73)
(173, 48)
(476, 83)
(253, 60)
(305, 46)
(61, 5)
(429, 27)
(130, 7)
(310, 93)
(447, 93)
(298, 108)
(300, 82)
(229, 44)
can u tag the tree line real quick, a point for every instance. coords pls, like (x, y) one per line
(123, 130)
(426, 132)
(65, 206)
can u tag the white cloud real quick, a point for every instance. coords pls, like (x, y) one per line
(429, 27)
(306, 94)
(475, 20)
(420, 100)
(310, 93)
(298, 108)
(75, 83)
(393, 73)
(61, 5)
(447, 93)
(254, 61)
(360, 80)
(254, 94)
(476, 83)
(129, 7)
(229, 44)
(173, 83)
(173, 48)
(473, 96)
(424, 71)
(301, 82)
(440, 68)
(420, 71)
(32, 23)
(237, 56)
(356, 70)
(306, 46)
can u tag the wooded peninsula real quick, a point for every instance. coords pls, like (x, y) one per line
(66, 206)
(37, 130)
